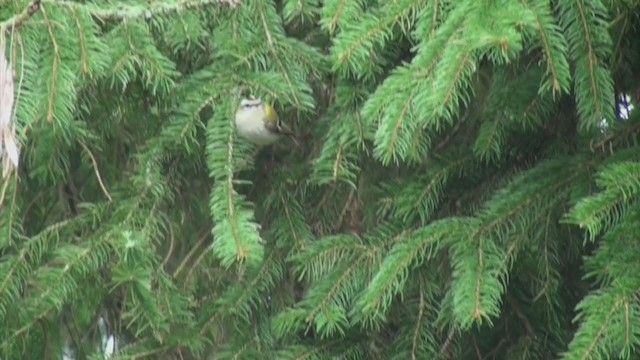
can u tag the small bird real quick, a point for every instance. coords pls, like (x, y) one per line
(259, 123)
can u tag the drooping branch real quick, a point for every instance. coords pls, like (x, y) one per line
(19, 19)
(118, 11)
(122, 10)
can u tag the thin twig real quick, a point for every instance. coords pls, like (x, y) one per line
(171, 245)
(521, 316)
(47, 355)
(451, 133)
(95, 167)
(475, 345)
(190, 254)
(447, 342)
(416, 333)
(495, 350)
(343, 213)
(195, 264)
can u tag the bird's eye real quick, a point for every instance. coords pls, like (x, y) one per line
(248, 105)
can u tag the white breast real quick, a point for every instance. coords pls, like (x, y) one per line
(250, 126)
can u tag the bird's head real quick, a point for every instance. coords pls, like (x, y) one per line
(249, 103)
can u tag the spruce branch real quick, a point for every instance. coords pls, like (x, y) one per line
(19, 19)
(445, 241)
(245, 297)
(481, 258)
(592, 57)
(600, 211)
(397, 117)
(236, 234)
(337, 12)
(359, 41)
(297, 229)
(590, 48)
(231, 206)
(20, 267)
(120, 11)
(78, 261)
(603, 330)
(276, 56)
(547, 259)
(83, 43)
(325, 303)
(553, 44)
(56, 63)
(490, 140)
(419, 320)
(412, 249)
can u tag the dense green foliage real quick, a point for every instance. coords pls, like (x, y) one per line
(464, 187)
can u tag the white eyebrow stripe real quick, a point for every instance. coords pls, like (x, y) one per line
(247, 103)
